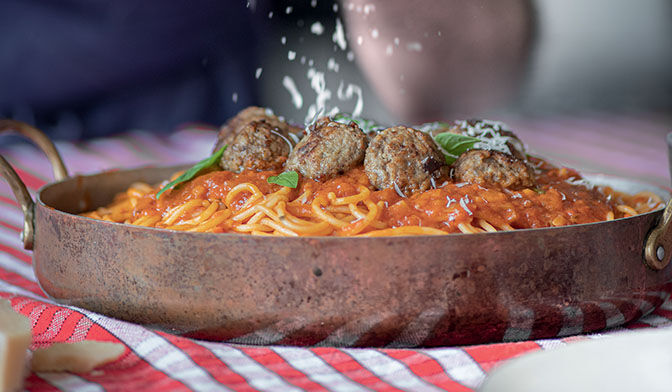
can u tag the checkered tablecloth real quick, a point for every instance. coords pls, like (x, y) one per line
(155, 360)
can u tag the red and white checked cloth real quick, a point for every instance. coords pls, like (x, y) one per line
(628, 146)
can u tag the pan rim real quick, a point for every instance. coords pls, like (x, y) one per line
(664, 192)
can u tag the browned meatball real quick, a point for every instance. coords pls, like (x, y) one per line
(492, 168)
(258, 146)
(246, 116)
(329, 149)
(404, 159)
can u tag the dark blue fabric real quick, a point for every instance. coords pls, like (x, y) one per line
(84, 68)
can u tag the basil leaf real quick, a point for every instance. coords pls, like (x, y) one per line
(193, 171)
(454, 145)
(366, 125)
(289, 179)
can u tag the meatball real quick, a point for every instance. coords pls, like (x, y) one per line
(329, 149)
(258, 146)
(404, 159)
(492, 168)
(253, 113)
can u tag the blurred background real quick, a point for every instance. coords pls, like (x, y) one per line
(89, 68)
(80, 69)
(585, 56)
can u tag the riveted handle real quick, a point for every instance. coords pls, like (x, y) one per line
(658, 247)
(18, 187)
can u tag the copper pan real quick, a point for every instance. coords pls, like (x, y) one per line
(390, 291)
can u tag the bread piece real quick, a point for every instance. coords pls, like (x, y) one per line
(15, 338)
(79, 357)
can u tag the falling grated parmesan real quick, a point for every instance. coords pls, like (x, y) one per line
(319, 85)
(348, 93)
(289, 84)
(323, 104)
(317, 28)
(332, 65)
(339, 35)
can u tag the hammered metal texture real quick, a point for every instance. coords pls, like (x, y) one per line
(396, 291)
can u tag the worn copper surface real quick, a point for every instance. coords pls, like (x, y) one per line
(397, 291)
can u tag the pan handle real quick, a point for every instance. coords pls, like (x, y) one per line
(658, 247)
(41, 140)
(18, 187)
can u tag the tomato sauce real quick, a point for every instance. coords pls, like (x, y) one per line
(213, 185)
(559, 199)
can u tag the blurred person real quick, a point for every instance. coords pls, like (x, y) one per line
(439, 58)
(435, 59)
(86, 68)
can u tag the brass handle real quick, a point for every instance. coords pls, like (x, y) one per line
(658, 248)
(41, 140)
(24, 199)
(18, 187)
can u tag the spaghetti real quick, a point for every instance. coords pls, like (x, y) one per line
(348, 205)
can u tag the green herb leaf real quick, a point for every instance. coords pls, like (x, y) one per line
(367, 126)
(454, 145)
(289, 179)
(193, 171)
